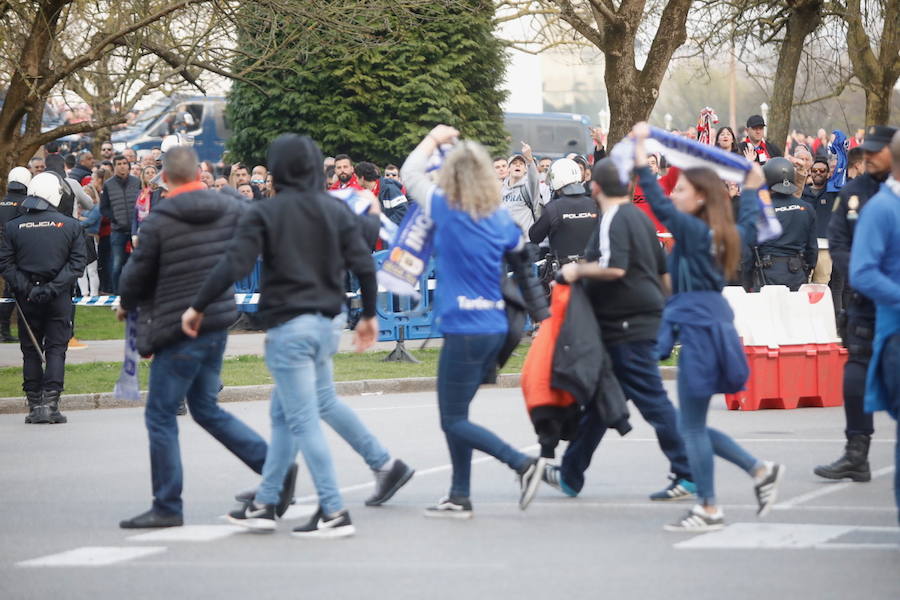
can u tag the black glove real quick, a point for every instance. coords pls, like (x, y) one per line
(41, 294)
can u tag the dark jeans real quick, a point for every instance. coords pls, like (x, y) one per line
(104, 264)
(52, 327)
(117, 242)
(858, 341)
(463, 364)
(636, 367)
(890, 373)
(191, 369)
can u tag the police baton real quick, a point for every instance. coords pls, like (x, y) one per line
(34, 341)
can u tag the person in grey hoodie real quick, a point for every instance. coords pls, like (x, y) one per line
(520, 192)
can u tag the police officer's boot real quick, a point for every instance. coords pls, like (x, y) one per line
(37, 411)
(853, 464)
(51, 400)
(6, 336)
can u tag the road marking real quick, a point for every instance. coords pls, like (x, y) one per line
(187, 533)
(419, 473)
(828, 489)
(92, 556)
(748, 536)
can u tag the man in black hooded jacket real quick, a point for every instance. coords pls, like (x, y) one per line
(10, 208)
(180, 241)
(307, 240)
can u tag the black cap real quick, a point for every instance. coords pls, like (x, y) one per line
(877, 137)
(756, 121)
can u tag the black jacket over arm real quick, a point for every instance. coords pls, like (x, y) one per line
(582, 367)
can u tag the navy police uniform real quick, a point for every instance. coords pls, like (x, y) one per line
(10, 208)
(569, 222)
(857, 323)
(788, 259)
(42, 255)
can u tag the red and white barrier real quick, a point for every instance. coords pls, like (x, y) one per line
(791, 341)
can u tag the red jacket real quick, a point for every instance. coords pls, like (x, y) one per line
(353, 183)
(667, 183)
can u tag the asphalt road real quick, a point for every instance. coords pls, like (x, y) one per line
(64, 488)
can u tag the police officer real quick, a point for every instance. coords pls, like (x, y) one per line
(571, 218)
(788, 259)
(10, 208)
(857, 322)
(42, 255)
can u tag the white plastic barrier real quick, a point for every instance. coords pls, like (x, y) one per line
(775, 316)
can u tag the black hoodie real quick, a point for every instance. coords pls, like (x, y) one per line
(307, 239)
(180, 241)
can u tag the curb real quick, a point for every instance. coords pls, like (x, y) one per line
(246, 393)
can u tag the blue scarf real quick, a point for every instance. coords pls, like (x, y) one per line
(838, 148)
(361, 205)
(127, 386)
(686, 154)
(412, 245)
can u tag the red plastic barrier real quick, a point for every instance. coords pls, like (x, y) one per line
(792, 376)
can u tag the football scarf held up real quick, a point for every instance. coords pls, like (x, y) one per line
(686, 154)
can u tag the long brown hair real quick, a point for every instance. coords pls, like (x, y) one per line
(717, 213)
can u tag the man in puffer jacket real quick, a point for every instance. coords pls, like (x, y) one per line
(181, 240)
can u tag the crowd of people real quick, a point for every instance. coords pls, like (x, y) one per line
(652, 252)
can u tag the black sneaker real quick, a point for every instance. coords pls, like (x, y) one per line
(320, 526)
(529, 479)
(388, 481)
(697, 520)
(255, 517)
(286, 498)
(450, 508)
(552, 476)
(679, 489)
(767, 488)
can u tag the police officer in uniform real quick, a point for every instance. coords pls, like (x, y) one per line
(857, 321)
(788, 259)
(570, 219)
(10, 208)
(42, 255)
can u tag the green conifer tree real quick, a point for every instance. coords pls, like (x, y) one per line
(442, 64)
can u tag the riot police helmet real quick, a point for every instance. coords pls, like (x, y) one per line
(780, 175)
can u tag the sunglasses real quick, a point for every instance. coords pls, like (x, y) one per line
(391, 174)
(820, 171)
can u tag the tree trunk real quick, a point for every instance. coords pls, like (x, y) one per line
(629, 102)
(878, 102)
(803, 20)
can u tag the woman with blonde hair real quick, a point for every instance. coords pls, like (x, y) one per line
(472, 236)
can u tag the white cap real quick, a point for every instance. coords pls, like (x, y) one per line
(47, 187)
(19, 175)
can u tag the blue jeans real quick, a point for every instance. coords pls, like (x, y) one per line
(190, 369)
(890, 370)
(463, 364)
(702, 442)
(298, 354)
(117, 242)
(636, 366)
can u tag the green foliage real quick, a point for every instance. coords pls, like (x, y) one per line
(375, 101)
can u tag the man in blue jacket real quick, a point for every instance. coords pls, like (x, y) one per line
(875, 272)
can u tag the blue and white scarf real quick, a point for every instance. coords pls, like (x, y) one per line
(838, 148)
(686, 154)
(413, 244)
(361, 205)
(128, 387)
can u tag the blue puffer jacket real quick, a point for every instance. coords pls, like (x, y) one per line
(712, 359)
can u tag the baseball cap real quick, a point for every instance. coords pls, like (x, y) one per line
(756, 121)
(516, 156)
(877, 137)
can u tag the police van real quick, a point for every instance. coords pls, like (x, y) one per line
(550, 135)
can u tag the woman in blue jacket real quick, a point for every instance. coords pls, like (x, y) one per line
(707, 252)
(472, 235)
